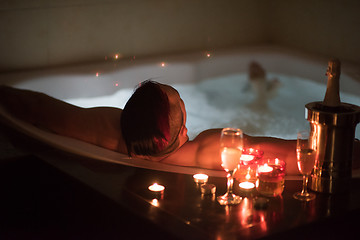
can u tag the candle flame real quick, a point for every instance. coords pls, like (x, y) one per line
(265, 168)
(246, 157)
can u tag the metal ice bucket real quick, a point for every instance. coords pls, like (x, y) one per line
(332, 130)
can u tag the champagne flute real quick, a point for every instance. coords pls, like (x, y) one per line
(305, 154)
(231, 146)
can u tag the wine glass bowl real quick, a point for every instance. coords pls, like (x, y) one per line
(306, 157)
(229, 158)
(231, 147)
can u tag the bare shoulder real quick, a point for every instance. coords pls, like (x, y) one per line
(101, 126)
(193, 153)
(208, 136)
(208, 149)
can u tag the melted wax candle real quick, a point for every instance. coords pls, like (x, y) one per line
(247, 185)
(265, 168)
(200, 178)
(156, 187)
(246, 157)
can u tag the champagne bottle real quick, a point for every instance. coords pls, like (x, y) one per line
(332, 97)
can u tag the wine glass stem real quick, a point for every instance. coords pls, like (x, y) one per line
(230, 183)
(305, 182)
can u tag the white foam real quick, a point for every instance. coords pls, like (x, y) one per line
(224, 102)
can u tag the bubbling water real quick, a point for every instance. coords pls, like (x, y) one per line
(226, 101)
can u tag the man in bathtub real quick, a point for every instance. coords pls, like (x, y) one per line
(151, 126)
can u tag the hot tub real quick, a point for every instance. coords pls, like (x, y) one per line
(213, 85)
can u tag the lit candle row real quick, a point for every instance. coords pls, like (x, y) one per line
(247, 171)
(202, 179)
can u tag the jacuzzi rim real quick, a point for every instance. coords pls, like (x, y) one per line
(88, 150)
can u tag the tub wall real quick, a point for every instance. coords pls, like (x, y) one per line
(44, 33)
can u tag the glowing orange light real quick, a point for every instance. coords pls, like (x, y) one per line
(247, 185)
(200, 178)
(155, 202)
(265, 168)
(163, 64)
(208, 55)
(97, 74)
(263, 225)
(246, 213)
(156, 187)
(116, 56)
(247, 157)
(248, 175)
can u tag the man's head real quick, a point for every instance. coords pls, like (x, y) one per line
(256, 71)
(153, 121)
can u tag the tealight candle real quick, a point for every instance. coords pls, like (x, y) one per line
(201, 178)
(246, 185)
(247, 157)
(271, 177)
(246, 173)
(207, 189)
(156, 187)
(265, 168)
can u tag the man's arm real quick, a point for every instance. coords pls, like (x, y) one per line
(204, 151)
(99, 126)
(38, 109)
(277, 148)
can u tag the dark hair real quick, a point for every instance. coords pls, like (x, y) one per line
(145, 120)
